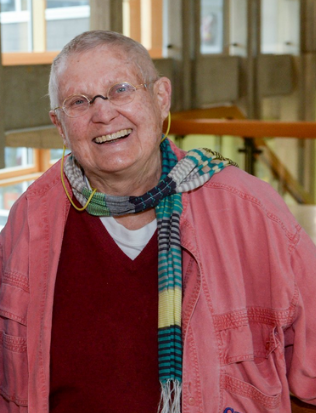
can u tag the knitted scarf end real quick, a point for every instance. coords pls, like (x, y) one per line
(170, 400)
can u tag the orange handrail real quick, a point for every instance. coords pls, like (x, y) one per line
(243, 128)
(252, 131)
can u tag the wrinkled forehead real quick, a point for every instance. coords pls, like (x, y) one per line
(108, 55)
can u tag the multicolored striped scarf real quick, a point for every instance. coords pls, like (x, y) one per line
(191, 172)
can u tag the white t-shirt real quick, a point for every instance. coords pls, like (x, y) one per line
(131, 242)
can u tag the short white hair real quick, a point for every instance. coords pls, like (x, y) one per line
(135, 52)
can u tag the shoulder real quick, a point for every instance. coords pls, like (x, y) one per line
(247, 198)
(236, 198)
(239, 184)
(47, 181)
(48, 184)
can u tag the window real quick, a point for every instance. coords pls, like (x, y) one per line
(50, 4)
(27, 29)
(17, 162)
(143, 22)
(212, 26)
(18, 157)
(280, 22)
(7, 5)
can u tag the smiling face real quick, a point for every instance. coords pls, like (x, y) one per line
(113, 143)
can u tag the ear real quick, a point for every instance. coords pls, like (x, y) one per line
(163, 91)
(56, 121)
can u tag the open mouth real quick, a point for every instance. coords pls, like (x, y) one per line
(113, 136)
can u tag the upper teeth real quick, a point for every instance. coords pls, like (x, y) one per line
(113, 136)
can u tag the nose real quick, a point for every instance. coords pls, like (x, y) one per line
(102, 111)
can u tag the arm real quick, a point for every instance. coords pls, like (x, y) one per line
(300, 337)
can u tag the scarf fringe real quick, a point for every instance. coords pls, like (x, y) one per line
(170, 399)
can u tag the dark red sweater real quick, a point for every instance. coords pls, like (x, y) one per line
(104, 334)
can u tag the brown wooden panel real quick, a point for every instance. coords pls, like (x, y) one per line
(35, 58)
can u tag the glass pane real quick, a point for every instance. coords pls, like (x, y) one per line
(64, 21)
(18, 157)
(24, 4)
(280, 22)
(7, 5)
(8, 195)
(14, 26)
(50, 4)
(56, 154)
(237, 28)
(212, 26)
(14, 36)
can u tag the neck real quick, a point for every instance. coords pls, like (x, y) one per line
(127, 183)
(137, 221)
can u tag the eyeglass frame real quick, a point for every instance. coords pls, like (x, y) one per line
(91, 101)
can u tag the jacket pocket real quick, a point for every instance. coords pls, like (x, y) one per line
(13, 370)
(14, 298)
(250, 372)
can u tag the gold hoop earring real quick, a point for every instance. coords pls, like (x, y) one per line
(168, 127)
(64, 186)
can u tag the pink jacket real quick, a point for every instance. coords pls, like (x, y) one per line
(249, 275)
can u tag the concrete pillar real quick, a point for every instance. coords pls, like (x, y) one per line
(308, 56)
(253, 51)
(106, 15)
(174, 40)
(307, 103)
(188, 46)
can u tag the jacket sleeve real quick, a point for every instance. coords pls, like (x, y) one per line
(1, 257)
(300, 337)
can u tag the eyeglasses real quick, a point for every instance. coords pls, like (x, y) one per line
(119, 94)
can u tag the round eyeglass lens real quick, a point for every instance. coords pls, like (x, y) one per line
(121, 93)
(76, 105)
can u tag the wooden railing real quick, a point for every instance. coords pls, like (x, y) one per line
(244, 128)
(255, 147)
(224, 120)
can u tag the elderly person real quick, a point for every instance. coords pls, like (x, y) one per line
(136, 277)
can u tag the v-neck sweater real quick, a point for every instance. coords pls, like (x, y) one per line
(105, 317)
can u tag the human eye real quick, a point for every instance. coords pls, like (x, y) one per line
(120, 90)
(76, 101)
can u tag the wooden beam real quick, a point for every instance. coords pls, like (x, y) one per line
(243, 128)
(19, 179)
(157, 27)
(35, 58)
(134, 20)
(17, 172)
